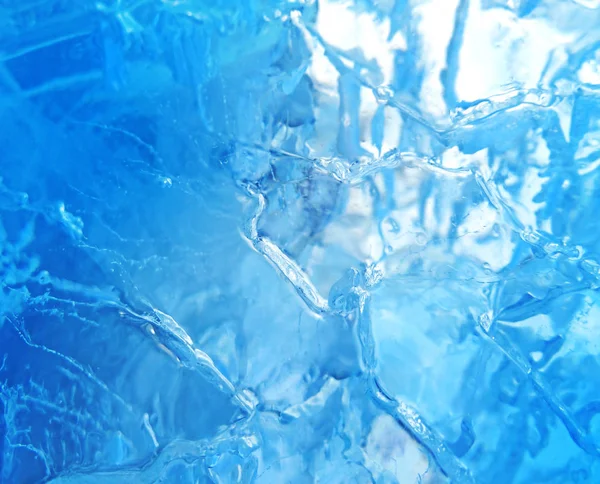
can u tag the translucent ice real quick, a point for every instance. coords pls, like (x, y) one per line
(296, 241)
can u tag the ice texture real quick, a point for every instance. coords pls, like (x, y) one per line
(272, 241)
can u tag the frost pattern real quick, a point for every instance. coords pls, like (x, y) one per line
(298, 241)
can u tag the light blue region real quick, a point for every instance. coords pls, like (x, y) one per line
(296, 241)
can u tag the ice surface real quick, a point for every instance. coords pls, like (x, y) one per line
(296, 241)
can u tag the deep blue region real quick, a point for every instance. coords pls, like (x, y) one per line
(238, 246)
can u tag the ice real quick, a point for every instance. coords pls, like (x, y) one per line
(299, 241)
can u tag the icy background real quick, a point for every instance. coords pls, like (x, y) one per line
(295, 241)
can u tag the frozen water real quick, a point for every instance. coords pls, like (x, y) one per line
(297, 241)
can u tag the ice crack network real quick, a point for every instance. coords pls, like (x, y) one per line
(300, 241)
